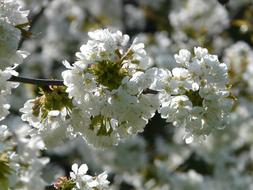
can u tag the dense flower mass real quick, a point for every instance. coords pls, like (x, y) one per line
(20, 161)
(12, 21)
(48, 115)
(115, 87)
(199, 11)
(80, 180)
(239, 58)
(108, 99)
(84, 181)
(9, 40)
(12, 13)
(107, 83)
(195, 95)
(5, 91)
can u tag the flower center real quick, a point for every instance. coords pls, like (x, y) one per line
(195, 98)
(102, 124)
(108, 73)
(54, 98)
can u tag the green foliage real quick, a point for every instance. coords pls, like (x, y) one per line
(101, 123)
(53, 98)
(108, 73)
(195, 98)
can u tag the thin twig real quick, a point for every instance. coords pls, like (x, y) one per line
(149, 91)
(38, 82)
(53, 82)
(50, 187)
(48, 82)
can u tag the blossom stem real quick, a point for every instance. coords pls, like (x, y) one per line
(38, 82)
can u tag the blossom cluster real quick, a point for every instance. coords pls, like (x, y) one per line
(116, 86)
(111, 93)
(11, 16)
(80, 180)
(12, 21)
(195, 95)
(204, 22)
(195, 21)
(20, 161)
(48, 114)
(107, 83)
(5, 91)
(239, 58)
(87, 182)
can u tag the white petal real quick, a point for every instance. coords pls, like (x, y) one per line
(74, 168)
(83, 169)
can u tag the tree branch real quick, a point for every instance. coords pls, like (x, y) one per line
(53, 82)
(39, 82)
(50, 187)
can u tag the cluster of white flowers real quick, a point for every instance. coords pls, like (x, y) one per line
(20, 162)
(239, 58)
(12, 13)
(5, 91)
(10, 17)
(106, 102)
(111, 93)
(206, 19)
(193, 21)
(48, 115)
(194, 95)
(107, 84)
(12, 20)
(108, 94)
(86, 182)
(193, 92)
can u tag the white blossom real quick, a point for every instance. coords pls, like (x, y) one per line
(199, 16)
(5, 91)
(10, 17)
(9, 40)
(12, 13)
(111, 93)
(195, 95)
(107, 77)
(19, 149)
(183, 57)
(239, 57)
(48, 115)
(87, 182)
